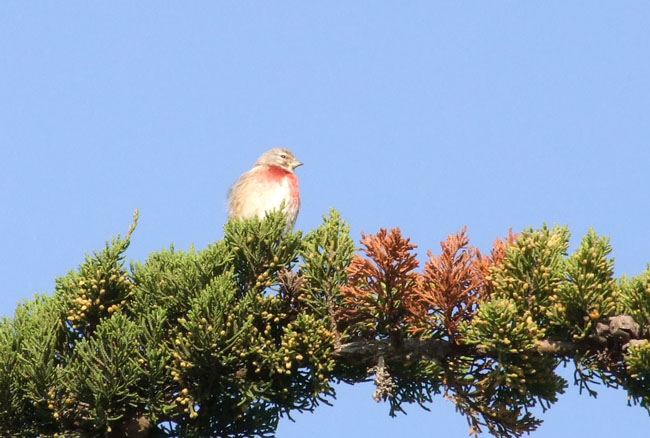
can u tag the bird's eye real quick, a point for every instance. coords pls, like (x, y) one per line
(283, 156)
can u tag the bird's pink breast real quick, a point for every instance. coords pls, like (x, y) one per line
(293, 186)
(276, 174)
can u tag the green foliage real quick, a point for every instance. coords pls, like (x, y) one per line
(635, 297)
(108, 362)
(225, 340)
(499, 327)
(414, 382)
(324, 250)
(514, 376)
(588, 293)
(100, 286)
(155, 355)
(635, 301)
(638, 367)
(30, 358)
(533, 270)
(198, 342)
(170, 279)
(261, 249)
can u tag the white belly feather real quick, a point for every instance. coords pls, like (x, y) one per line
(267, 197)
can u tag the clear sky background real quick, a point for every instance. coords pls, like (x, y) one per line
(426, 116)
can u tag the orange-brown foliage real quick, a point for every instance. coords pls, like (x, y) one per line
(384, 294)
(484, 263)
(452, 286)
(378, 284)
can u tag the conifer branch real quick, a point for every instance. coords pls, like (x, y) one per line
(224, 341)
(615, 336)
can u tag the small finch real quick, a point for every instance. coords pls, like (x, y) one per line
(265, 186)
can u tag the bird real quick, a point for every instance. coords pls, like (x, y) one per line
(263, 188)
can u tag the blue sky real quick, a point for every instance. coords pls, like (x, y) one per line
(426, 116)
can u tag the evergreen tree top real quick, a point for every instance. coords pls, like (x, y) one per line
(225, 340)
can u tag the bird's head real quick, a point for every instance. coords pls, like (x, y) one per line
(280, 157)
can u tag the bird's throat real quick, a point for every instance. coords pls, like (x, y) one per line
(276, 173)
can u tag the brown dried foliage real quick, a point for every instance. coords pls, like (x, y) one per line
(484, 263)
(383, 293)
(377, 285)
(450, 288)
(453, 284)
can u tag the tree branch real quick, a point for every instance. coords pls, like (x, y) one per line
(367, 352)
(614, 334)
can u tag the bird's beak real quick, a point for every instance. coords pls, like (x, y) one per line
(295, 163)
